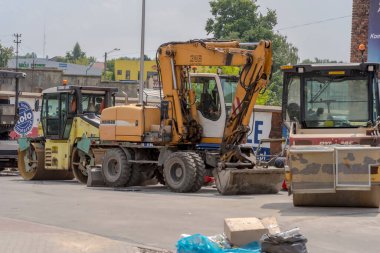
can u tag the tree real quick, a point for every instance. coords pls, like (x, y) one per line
(77, 56)
(32, 55)
(6, 53)
(241, 20)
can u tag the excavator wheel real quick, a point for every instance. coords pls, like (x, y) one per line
(78, 165)
(31, 165)
(159, 176)
(137, 178)
(180, 172)
(115, 168)
(201, 172)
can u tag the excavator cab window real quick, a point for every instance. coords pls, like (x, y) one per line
(93, 103)
(207, 97)
(229, 84)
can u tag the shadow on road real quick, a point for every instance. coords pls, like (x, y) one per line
(205, 192)
(48, 182)
(287, 209)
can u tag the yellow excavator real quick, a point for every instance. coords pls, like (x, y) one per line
(69, 119)
(165, 140)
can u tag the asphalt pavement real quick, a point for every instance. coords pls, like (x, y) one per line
(122, 220)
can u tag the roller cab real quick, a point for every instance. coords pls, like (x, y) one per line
(331, 114)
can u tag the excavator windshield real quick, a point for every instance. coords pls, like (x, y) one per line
(207, 97)
(331, 99)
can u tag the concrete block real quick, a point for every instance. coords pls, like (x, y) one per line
(241, 231)
(271, 224)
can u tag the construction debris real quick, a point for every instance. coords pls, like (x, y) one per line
(245, 235)
(286, 242)
(241, 231)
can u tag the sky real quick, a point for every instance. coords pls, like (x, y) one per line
(102, 25)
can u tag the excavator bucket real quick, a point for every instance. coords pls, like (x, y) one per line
(31, 165)
(259, 180)
(335, 176)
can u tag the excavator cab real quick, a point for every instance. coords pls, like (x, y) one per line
(210, 103)
(332, 116)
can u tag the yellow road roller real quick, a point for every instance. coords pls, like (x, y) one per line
(69, 122)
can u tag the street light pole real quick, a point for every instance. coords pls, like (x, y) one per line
(105, 65)
(105, 61)
(141, 87)
(88, 68)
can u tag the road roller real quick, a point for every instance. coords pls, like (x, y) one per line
(331, 112)
(69, 121)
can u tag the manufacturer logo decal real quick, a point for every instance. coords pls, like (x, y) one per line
(25, 122)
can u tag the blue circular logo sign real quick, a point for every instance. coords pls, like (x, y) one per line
(25, 122)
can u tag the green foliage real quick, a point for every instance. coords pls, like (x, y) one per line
(76, 56)
(32, 55)
(240, 19)
(6, 53)
(109, 76)
(226, 70)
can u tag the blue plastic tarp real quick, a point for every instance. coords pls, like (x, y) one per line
(201, 244)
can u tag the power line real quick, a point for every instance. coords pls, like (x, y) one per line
(313, 23)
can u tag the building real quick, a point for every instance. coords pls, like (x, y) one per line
(67, 68)
(126, 70)
(365, 30)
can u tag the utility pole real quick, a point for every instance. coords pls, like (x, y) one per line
(17, 41)
(105, 65)
(44, 44)
(141, 88)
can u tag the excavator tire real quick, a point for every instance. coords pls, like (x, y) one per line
(159, 176)
(35, 169)
(340, 198)
(201, 172)
(137, 178)
(116, 170)
(180, 172)
(79, 170)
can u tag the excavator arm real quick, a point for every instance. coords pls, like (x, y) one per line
(174, 62)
